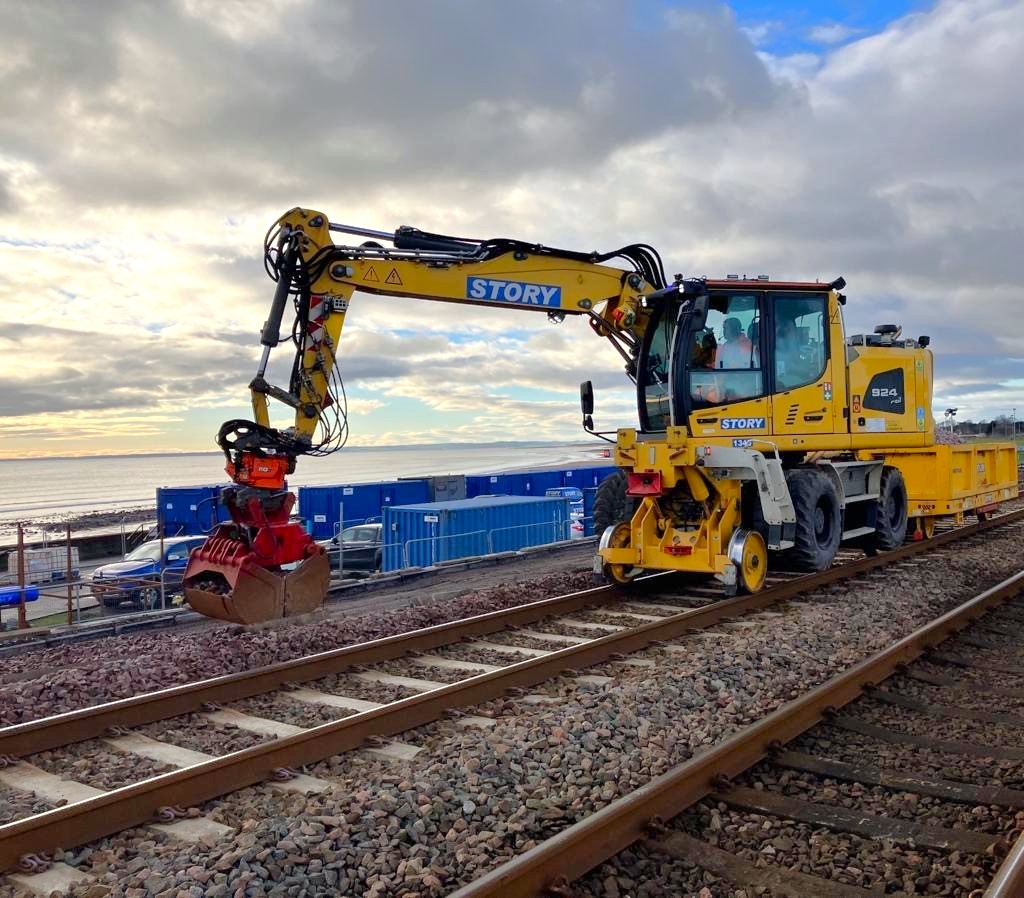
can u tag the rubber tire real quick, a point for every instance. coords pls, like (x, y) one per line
(815, 542)
(891, 522)
(751, 512)
(611, 504)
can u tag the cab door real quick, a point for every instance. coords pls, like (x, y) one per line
(725, 390)
(800, 369)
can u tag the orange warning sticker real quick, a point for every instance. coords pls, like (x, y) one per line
(856, 403)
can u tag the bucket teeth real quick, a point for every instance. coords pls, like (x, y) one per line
(256, 594)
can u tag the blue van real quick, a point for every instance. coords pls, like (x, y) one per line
(136, 579)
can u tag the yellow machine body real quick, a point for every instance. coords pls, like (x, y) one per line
(859, 405)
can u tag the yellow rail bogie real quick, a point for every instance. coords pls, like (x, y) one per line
(657, 545)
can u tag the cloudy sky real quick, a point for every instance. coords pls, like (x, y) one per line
(146, 147)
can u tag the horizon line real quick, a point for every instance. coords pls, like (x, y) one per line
(389, 446)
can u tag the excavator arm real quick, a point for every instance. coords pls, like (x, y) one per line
(241, 574)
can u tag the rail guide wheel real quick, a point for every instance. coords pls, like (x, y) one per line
(617, 537)
(921, 528)
(749, 553)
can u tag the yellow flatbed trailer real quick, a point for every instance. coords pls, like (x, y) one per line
(953, 480)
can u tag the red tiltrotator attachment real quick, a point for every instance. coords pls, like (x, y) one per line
(237, 574)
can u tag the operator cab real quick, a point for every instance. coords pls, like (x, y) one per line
(755, 339)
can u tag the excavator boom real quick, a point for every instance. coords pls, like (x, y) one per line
(263, 565)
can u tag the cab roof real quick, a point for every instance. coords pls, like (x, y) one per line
(756, 284)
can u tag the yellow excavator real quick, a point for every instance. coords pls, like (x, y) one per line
(762, 426)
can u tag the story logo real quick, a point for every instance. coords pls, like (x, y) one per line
(513, 291)
(742, 423)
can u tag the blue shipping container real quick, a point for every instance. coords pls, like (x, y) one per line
(425, 534)
(488, 485)
(405, 492)
(537, 483)
(587, 477)
(190, 510)
(320, 506)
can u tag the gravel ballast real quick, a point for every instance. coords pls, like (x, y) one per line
(472, 798)
(81, 675)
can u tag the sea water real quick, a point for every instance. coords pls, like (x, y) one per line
(53, 489)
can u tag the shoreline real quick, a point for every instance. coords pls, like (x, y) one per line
(52, 524)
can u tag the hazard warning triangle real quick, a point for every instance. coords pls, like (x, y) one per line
(370, 275)
(393, 278)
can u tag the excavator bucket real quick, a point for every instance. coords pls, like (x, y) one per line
(223, 581)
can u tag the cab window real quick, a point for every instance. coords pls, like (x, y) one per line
(800, 345)
(725, 357)
(654, 375)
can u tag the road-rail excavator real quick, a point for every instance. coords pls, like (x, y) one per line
(762, 426)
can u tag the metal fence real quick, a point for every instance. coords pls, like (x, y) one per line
(485, 542)
(477, 542)
(39, 588)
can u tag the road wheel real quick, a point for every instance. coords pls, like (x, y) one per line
(891, 514)
(611, 504)
(819, 525)
(752, 513)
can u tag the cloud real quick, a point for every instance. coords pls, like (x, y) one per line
(761, 33)
(131, 286)
(832, 33)
(154, 90)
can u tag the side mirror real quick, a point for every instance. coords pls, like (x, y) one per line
(587, 404)
(587, 397)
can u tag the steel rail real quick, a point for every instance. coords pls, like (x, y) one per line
(69, 727)
(1009, 879)
(119, 809)
(575, 851)
(87, 723)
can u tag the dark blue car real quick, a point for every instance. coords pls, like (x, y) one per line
(136, 579)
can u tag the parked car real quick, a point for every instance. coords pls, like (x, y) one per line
(136, 579)
(360, 548)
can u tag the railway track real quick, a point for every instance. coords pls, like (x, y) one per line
(809, 772)
(551, 637)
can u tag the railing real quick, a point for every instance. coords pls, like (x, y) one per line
(136, 537)
(479, 538)
(556, 530)
(477, 542)
(39, 588)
